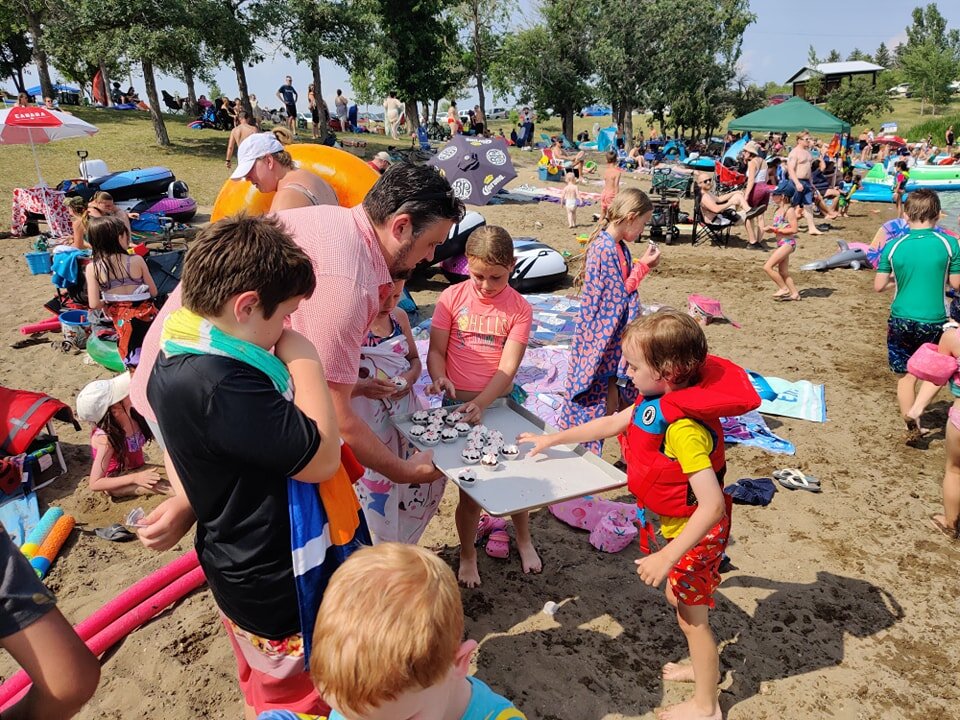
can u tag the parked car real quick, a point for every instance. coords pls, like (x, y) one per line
(777, 99)
(903, 90)
(498, 113)
(596, 111)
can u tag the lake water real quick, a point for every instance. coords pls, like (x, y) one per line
(950, 201)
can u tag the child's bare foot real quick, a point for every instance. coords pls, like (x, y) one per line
(468, 574)
(781, 293)
(529, 559)
(940, 523)
(814, 231)
(914, 430)
(678, 672)
(689, 711)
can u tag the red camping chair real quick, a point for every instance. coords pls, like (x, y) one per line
(26, 428)
(729, 179)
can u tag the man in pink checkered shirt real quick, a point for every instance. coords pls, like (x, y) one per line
(357, 252)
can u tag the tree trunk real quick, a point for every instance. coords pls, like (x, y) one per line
(567, 121)
(425, 118)
(436, 107)
(162, 138)
(410, 108)
(628, 128)
(242, 82)
(318, 98)
(18, 80)
(105, 81)
(39, 55)
(478, 56)
(188, 79)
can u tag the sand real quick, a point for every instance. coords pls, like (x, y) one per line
(841, 605)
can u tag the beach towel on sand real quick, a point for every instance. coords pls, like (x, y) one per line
(595, 354)
(326, 524)
(801, 399)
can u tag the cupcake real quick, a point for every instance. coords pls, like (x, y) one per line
(489, 460)
(476, 436)
(470, 455)
(399, 383)
(495, 436)
(430, 438)
(483, 430)
(462, 428)
(417, 431)
(511, 452)
(453, 418)
(435, 426)
(467, 476)
(420, 417)
(491, 449)
(438, 414)
(449, 435)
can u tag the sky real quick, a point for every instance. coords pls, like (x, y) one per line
(774, 47)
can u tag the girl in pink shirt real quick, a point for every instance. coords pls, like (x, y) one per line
(478, 337)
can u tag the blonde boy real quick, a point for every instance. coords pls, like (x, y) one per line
(391, 630)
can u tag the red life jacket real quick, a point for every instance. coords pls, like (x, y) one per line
(657, 481)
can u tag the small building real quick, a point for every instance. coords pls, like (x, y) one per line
(831, 76)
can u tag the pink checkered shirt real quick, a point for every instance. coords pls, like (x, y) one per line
(350, 270)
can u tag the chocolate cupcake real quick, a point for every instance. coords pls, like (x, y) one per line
(430, 438)
(449, 435)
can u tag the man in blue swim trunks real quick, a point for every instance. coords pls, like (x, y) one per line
(288, 96)
(799, 166)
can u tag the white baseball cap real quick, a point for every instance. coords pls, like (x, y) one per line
(252, 149)
(95, 399)
(382, 156)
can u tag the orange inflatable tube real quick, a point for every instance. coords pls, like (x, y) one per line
(349, 176)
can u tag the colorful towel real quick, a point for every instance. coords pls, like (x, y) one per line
(801, 399)
(595, 353)
(132, 320)
(326, 524)
(752, 430)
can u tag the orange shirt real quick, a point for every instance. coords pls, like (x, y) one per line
(479, 328)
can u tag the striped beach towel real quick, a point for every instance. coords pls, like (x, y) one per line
(326, 523)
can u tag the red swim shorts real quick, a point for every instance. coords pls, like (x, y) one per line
(272, 674)
(695, 578)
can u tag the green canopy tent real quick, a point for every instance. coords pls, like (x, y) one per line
(791, 115)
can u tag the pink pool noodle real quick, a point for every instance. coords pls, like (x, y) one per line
(132, 603)
(17, 686)
(51, 325)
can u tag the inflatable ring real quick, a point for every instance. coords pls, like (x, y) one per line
(349, 176)
(104, 353)
(553, 170)
(589, 166)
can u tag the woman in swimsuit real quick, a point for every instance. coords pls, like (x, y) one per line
(263, 161)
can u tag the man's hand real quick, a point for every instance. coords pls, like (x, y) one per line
(374, 388)
(421, 468)
(167, 524)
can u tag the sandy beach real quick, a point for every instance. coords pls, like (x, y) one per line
(841, 605)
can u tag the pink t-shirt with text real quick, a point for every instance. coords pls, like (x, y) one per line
(479, 328)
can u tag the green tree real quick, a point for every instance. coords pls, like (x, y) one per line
(232, 29)
(930, 58)
(833, 56)
(35, 15)
(15, 49)
(858, 54)
(882, 56)
(316, 29)
(485, 23)
(814, 84)
(549, 65)
(857, 100)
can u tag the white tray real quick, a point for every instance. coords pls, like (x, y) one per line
(562, 473)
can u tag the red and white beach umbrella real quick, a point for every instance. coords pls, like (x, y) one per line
(36, 126)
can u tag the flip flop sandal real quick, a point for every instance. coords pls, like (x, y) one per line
(115, 533)
(793, 472)
(498, 545)
(799, 482)
(951, 533)
(489, 523)
(753, 212)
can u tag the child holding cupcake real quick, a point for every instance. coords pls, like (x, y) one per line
(389, 368)
(477, 339)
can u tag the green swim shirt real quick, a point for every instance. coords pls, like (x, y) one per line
(920, 261)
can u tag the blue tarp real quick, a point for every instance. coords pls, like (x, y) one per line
(606, 138)
(35, 90)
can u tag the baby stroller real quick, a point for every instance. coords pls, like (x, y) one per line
(173, 104)
(209, 120)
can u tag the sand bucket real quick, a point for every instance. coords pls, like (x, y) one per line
(39, 262)
(75, 327)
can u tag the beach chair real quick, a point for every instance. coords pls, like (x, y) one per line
(423, 138)
(728, 179)
(568, 144)
(718, 233)
(27, 434)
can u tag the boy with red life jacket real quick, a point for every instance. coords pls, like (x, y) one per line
(673, 444)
